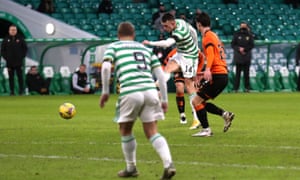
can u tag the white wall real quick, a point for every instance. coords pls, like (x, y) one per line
(36, 22)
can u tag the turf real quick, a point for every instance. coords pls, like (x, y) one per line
(263, 142)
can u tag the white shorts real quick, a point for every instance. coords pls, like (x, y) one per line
(144, 104)
(187, 64)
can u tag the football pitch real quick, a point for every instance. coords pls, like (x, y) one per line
(262, 143)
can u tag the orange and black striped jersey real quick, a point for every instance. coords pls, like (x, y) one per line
(216, 61)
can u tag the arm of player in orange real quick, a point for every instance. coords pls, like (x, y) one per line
(210, 55)
(201, 60)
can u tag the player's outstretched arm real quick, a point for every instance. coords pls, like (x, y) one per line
(162, 43)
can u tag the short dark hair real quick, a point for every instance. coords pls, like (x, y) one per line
(204, 19)
(167, 17)
(33, 66)
(126, 29)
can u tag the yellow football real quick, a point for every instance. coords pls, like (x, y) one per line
(67, 110)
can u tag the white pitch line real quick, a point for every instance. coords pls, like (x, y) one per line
(196, 163)
(183, 145)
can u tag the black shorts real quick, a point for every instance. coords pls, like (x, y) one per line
(212, 89)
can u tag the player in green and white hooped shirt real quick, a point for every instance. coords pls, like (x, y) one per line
(186, 60)
(133, 66)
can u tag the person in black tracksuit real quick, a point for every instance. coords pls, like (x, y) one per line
(35, 82)
(13, 50)
(80, 83)
(242, 44)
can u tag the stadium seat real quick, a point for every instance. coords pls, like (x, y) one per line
(285, 78)
(153, 3)
(80, 16)
(227, 29)
(266, 14)
(91, 15)
(66, 86)
(231, 77)
(90, 10)
(57, 16)
(60, 85)
(87, 27)
(77, 10)
(140, 38)
(102, 33)
(60, 5)
(72, 21)
(293, 78)
(256, 80)
(65, 10)
(273, 80)
(48, 71)
(65, 71)
(103, 16)
(3, 90)
(55, 86)
(5, 82)
(68, 16)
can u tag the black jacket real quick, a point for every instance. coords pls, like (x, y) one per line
(242, 38)
(13, 50)
(82, 79)
(35, 82)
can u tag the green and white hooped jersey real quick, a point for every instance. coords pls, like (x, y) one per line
(186, 41)
(133, 64)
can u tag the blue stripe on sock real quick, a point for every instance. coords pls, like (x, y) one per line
(126, 139)
(155, 136)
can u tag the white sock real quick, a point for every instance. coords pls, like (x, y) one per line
(129, 151)
(161, 146)
(193, 109)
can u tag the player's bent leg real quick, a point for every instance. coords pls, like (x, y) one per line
(172, 66)
(191, 89)
(199, 105)
(189, 85)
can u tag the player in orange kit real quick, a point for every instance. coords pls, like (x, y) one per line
(215, 77)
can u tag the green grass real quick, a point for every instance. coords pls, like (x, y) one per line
(263, 142)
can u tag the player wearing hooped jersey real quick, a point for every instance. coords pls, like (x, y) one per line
(140, 76)
(184, 36)
(133, 66)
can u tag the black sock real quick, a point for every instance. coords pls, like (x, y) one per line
(202, 116)
(211, 108)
